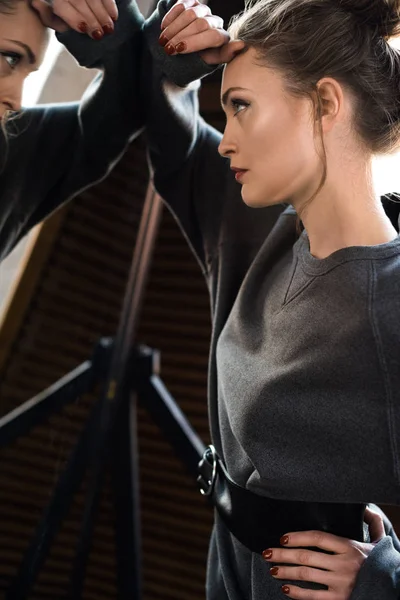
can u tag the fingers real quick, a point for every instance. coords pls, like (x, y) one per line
(301, 556)
(176, 11)
(318, 539)
(94, 16)
(48, 17)
(292, 591)
(376, 525)
(201, 34)
(306, 574)
(193, 16)
(111, 8)
(224, 54)
(87, 16)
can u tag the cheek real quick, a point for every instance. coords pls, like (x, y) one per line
(11, 87)
(282, 154)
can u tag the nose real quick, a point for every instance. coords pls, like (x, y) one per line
(12, 100)
(227, 146)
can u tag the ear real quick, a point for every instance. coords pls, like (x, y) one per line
(332, 100)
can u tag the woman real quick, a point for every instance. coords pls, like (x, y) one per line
(50, 153)
(57, 151)
(304, 360)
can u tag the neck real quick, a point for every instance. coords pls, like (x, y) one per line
(346, 213)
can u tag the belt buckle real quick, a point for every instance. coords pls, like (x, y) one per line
(208, 471)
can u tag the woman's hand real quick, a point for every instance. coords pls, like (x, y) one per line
(191, 27)
(94, 17)
(340, 569)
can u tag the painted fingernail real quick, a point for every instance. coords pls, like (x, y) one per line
(181, 47)
(274, 571)
(169, 49)
(108, 29)
(267, 554)
(284, 540)
(97, 34)
(83, 28)
(285, 589)
(163, 40)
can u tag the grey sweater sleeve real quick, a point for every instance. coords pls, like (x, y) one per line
(379, 577)
(188, 172)
(55, 151)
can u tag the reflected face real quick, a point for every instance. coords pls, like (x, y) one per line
(268, 134)
(23, 42)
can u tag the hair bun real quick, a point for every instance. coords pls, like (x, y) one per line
(382, 15)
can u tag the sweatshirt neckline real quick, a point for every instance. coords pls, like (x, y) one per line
(319, 266)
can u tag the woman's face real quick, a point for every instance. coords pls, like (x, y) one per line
(268, 134)
(23, 41)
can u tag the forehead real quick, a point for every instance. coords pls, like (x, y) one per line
(246, 71)
(24, 25)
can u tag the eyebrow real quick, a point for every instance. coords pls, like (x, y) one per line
(30, 54)
(225, 97)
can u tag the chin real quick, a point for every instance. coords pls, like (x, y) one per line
(261, 198)
(254, 200)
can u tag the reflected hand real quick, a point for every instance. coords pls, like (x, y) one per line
(191, 27)
(337, 571)
(94, 17)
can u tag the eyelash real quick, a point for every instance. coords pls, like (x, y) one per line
(236, 103)
(13, 55)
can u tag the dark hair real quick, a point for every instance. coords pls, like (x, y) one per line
(344, 39)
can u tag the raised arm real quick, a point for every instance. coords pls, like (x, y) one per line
(53, 152)
(189, 174)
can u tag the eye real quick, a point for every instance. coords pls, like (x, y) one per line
(238, 105)
(11, 58)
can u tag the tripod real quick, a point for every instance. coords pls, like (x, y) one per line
(126, 372)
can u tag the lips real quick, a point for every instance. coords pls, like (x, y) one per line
(239, 173)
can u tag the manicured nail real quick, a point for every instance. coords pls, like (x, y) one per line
(83, 28)
(97, 34)
(284, 540)
(285, 589)
(181, 47)
(267, 554)
(163, 40)
(108, 29)
(169, 49)
(274, 571)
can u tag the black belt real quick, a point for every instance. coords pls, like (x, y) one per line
(259, 522)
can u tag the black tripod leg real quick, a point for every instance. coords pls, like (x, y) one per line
(84, 543)
(125, 477)
(22, 419)
(165, 412)
(47, 529)
(119, 432)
